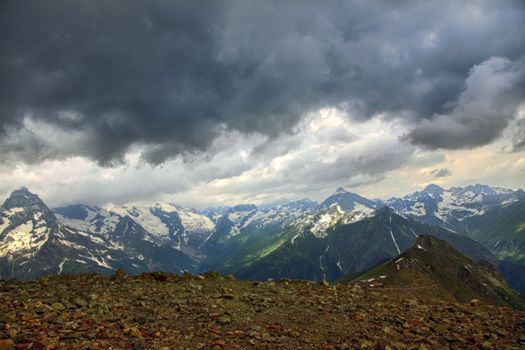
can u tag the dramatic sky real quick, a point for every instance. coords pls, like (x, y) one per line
(221, 102)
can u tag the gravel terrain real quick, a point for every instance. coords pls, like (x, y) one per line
(164, 311)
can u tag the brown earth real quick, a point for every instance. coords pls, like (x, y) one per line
(163, 311)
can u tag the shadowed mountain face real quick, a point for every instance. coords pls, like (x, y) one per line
(346, 248)
(434, 267)
(502, 230)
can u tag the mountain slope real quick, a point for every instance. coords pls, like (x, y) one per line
(33, 242)
(449, 208)
(502, 230)
(348, 201)
(252, 230)
(433, 266)
(347, 247)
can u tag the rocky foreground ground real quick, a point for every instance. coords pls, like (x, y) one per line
(162, 311)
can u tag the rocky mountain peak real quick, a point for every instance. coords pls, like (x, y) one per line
(450, 274)
(340, 190)
(346, 200)
(384, 211)
(242, 207)
(22, 198)
(434, 189)
(427, 242)
(302, 204)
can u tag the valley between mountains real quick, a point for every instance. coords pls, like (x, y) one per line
(346, 234)
(437, 269)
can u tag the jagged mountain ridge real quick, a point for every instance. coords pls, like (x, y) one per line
(185, 229)
(190, 230)
(245, 233)
(348, 247)
(33, 242)
(434, 267)
(449, 208)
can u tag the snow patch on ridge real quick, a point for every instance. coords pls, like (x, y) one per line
(24, 237)
(321, 261)
(325, 221)
(194, 222)
(142, 215)
(359, 213)
(393, 238)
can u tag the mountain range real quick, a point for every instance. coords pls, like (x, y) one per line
(345, 234)
(433, 269)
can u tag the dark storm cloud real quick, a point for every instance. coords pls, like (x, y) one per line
(494, 91)
(518, 137)
(170, 75)
(443, 172)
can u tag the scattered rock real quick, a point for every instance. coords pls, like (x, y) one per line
(169, 312)
(7, 344)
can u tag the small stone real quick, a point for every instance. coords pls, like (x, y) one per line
(218, 344)
(487, 345)
(58, 306)
(225, 319)
(80, 302)
(366, 345)
(475, 302)
(411, 302)
(133, 331)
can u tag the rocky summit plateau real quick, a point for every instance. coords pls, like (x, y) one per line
(212, 311)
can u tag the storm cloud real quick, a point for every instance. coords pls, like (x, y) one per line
(442, 172)
(97, 78)
(493, 93)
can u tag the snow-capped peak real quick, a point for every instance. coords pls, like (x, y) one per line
(440, 206)
(25, 223)
(22, 198)
(433, 189)
(340, 190)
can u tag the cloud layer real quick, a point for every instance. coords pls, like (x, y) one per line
(102, 77)
(209, 102)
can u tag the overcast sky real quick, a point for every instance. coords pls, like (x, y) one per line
(220, 102)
